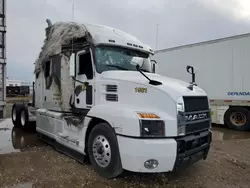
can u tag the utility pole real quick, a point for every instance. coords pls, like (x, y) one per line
(73, 11)
(156, 45)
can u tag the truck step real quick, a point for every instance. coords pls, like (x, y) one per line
(69, 139)
(61, 148)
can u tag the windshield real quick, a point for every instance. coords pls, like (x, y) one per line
(117, 58)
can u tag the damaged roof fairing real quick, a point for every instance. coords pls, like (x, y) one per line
(58, 34)
(62, 33)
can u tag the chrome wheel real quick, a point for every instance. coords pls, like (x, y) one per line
(238, 118)
(101, 151)
(14, 114)
(23, 118)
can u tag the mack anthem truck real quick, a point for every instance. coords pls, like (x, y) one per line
(97, 96)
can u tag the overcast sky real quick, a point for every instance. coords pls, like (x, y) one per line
(180, 22)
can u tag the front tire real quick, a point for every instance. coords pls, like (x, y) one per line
(104, 152)
(238, 118)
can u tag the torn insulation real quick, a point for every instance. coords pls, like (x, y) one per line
(57, 35)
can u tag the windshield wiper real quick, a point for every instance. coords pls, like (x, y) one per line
(152, 82)
(144, 70)
(116, 66)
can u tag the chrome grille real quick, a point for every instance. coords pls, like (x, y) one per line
(196, 116)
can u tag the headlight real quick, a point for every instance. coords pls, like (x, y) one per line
(152, 128)
(151, 125)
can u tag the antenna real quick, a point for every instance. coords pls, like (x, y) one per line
(156, 45)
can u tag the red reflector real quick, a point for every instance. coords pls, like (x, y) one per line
(228, 101)
(211, 100)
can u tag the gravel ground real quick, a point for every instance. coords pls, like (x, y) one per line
(27, 162)
(44, 167)
(39, 165)
(7, 110)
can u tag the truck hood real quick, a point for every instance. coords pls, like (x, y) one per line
(172, 87)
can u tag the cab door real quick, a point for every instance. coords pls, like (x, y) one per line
(84, 80)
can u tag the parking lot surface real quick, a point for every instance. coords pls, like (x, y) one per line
(26, 161)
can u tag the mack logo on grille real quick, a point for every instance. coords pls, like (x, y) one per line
(193, 117)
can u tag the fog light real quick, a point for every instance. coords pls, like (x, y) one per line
(151, 164)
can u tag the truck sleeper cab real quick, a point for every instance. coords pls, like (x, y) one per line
(101, 98)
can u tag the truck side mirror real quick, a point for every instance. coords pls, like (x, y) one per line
(72, 68)
(154, 63)
(192, 70)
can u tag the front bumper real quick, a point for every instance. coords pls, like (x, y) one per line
(193, 148)
(135, 151)
(171, 153)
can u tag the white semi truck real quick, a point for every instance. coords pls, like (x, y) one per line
(97, 96)
(223, 72)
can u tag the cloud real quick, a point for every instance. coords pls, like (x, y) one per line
(237, 9)
(180, 22)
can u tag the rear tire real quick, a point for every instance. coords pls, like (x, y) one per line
(24, 117)
(104, 152)
(15, 115)
(238, 118)
(20, 116)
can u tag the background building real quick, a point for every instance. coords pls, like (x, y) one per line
(15, 82)
(30, 84)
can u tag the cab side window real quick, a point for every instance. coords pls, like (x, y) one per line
(85, 65)
(47, 69)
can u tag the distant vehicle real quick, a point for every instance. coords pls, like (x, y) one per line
(97, 96)
(17, 91)
(223, 72)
